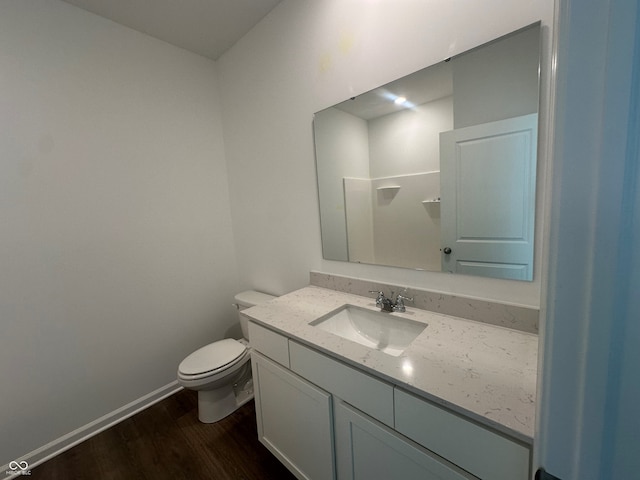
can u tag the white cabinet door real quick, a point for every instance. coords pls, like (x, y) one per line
(488, 190)
(294, 420)
(368, 450)
(478, 450)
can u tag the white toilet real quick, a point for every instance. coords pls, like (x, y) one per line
(221, 371)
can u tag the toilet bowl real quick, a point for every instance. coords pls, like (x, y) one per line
(221, 371)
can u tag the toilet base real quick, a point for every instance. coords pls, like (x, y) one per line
(214, 405)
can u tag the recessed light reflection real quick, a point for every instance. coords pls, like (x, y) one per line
(398, 100)
(407, 368)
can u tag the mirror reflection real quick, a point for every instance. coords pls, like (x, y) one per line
(436, 170)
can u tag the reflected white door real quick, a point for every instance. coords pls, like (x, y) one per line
(488, 178)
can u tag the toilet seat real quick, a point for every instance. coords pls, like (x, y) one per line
(213, 359)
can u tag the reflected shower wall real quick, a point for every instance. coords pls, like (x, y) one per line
(394, 220)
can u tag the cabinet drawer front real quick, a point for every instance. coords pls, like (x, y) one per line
(366, 393)
(269, 343)
(478, 450)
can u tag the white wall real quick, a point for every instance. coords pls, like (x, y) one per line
(359, 213)
(498, 81)
(307, 55)
(403, 146)
(408, 141)
(406, 232)
(116, 253)
(342, 140)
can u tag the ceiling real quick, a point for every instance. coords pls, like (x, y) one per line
(205, 27)
(423, 86)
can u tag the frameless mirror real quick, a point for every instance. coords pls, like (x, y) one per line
(437, 170)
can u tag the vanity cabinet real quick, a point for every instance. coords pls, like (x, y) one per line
(326, 419)
(294, 420)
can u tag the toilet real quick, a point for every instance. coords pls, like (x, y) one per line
(221, 371)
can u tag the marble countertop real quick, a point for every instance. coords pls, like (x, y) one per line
(485, 372)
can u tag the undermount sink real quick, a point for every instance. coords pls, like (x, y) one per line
(382, 331)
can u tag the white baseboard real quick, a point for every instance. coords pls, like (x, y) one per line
(81, 434)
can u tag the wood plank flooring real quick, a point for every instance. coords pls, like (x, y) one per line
(166, 441)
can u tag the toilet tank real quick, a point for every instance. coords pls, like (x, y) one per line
(246, 299)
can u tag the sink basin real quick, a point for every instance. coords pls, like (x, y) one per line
(382, 331)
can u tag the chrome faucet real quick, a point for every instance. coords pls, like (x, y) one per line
(387, 305)
(399, 306)
(382, 302)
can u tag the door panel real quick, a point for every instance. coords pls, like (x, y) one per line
(488, 175)
(294, 420)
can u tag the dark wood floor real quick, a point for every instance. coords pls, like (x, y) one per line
(166, 441)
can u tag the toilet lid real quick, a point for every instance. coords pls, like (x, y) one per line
(212, 357)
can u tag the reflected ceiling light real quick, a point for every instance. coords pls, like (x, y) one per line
(399, 100)
(407, 368)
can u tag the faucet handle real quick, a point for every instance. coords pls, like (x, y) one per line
(380, 298)
(404, 298)
(400, 299)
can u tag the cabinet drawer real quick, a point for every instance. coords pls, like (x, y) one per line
(269, 343)
(476, 449)
(364, 392)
